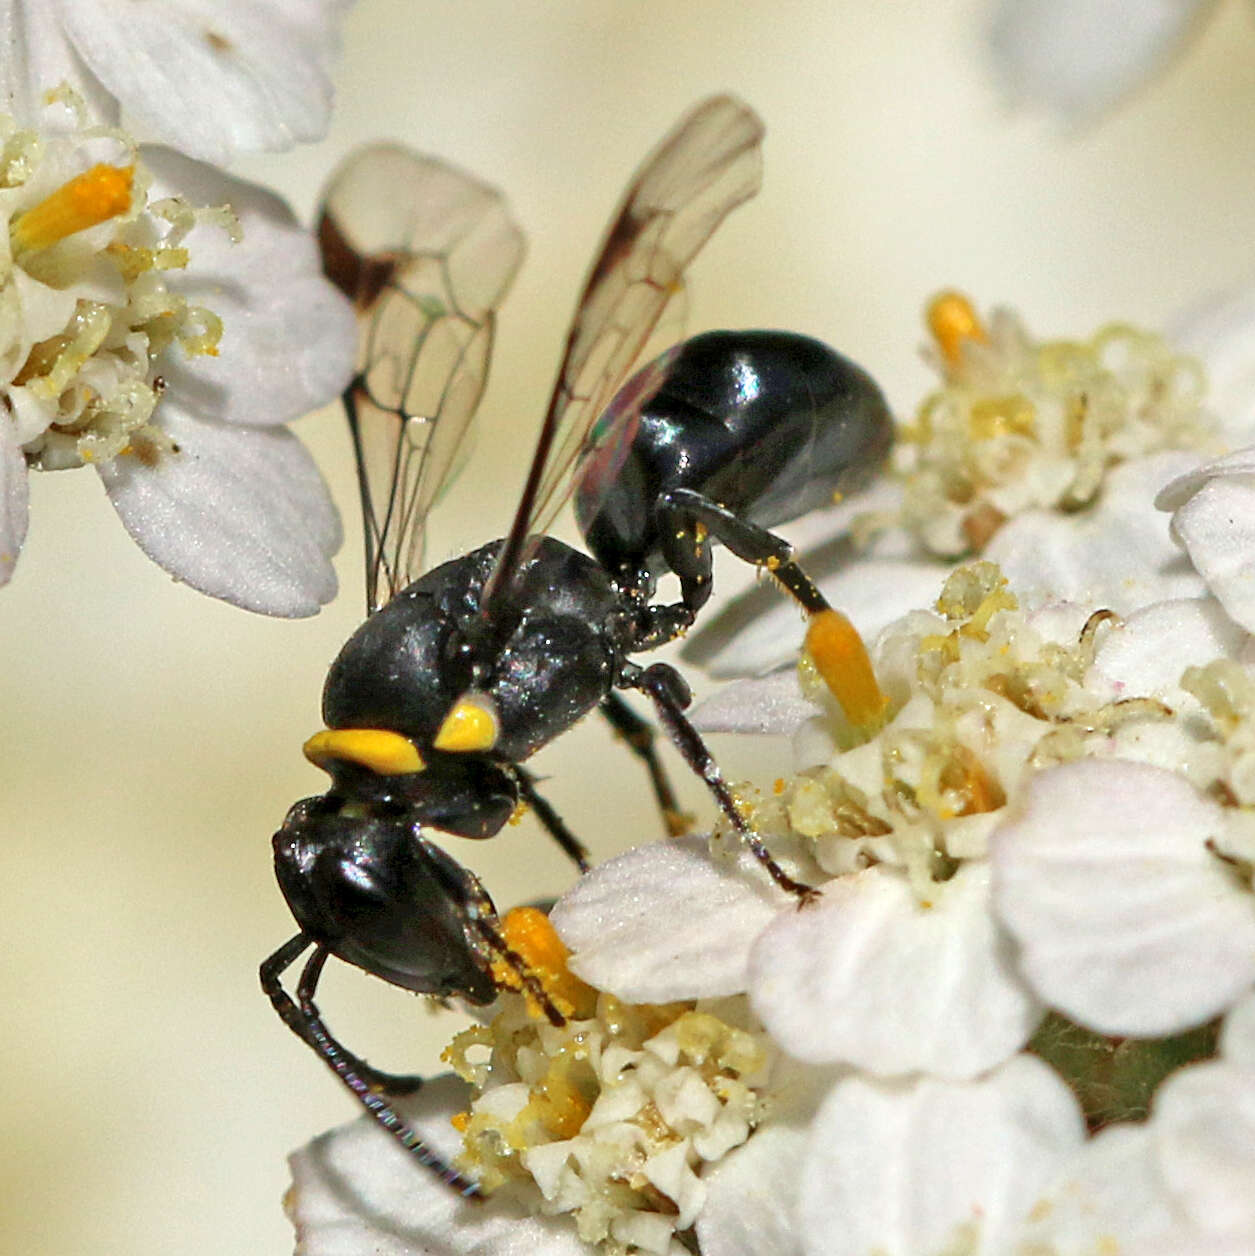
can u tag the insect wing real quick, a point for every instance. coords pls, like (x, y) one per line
(709, 164)
(426, 253)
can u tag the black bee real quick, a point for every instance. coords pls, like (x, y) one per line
(460, 673)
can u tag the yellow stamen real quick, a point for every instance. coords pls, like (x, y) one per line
(379, 749)
(532, 938)
(88, 199)
(842, 660)
(470, 725)
(952, 319)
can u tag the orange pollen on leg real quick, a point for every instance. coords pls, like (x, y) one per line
(951, 320)
(842, 660)
(88, 199)
(532, 938)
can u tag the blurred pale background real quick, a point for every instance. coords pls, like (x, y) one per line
(151, 737)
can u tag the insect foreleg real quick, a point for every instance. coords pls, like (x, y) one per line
(305, 1021)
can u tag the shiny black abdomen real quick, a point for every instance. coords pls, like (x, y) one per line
(768, 424)
(406, 666)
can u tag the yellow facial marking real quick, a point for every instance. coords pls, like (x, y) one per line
(379, 749)
(842, 660)
(952, 319)
(90, 198)
(470, 725)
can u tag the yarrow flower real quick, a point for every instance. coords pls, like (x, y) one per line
(211, 80)
(165, 345)
(610, 1114)
(594, 1134)
(1044, 456)
(1079, 57)
(1018, 1013)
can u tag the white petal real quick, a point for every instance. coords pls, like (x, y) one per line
(1221, 332)
(35, 56)
(934, 1166)
(1149, 651)
(357, 1192)
(213, 79)
(239, 513)
(1179, 490)
(1110, 1193)
(1126, 922)
(1118, 554)
(14, 499)
(289, 336)
(751, 1196)
(667, 922)
(1080, 56)
(772, 704)
(869, 977)
(1204, 1131)
(1197, 1243)
(1217, 528)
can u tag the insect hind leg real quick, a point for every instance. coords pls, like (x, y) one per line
(686, 522)
(666, 689)
(305, 1020)
(639, 737)
(682, 512)
(832, 642)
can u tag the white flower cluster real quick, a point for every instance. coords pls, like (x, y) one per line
(612, 1116)
(1035, 922)
(158, 319)
(210, 79)
(1021, 424)
(166, 344)
(87, 314)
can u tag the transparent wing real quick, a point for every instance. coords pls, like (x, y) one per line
(426, 252)
(707, 166)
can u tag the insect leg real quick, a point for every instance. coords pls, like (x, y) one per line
(682, 511)
(528, 979)
(296, 1020)
(665, 687)
(306, 1022)
(638, 735)
(554, 824)
(376, 1079)
(686, 522)
(832, 642)
(271, 970)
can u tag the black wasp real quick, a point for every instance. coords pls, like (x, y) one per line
(458, 675)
